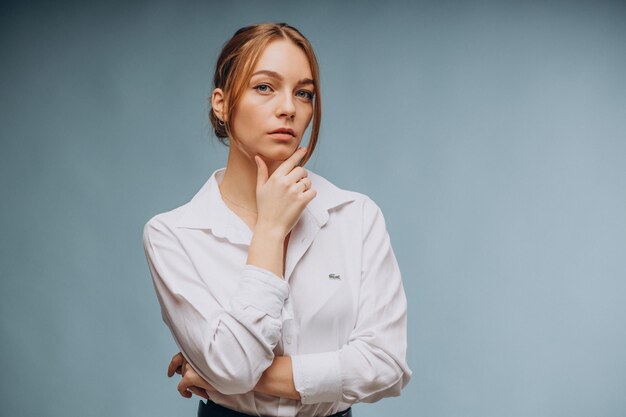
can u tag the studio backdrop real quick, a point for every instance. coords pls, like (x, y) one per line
(492, 135)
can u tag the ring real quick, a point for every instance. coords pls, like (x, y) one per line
(306, 185)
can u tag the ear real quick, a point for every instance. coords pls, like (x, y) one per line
(217, 103)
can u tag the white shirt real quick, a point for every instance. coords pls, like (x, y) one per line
(339, 312)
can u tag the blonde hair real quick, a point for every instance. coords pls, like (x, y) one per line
(234, 68)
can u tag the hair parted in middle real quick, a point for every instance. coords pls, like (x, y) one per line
(236, 63)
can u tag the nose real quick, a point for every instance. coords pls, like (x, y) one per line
(286, 106)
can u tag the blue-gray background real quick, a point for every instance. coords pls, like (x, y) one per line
(492, 135)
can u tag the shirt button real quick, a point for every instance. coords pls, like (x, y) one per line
(288, 340)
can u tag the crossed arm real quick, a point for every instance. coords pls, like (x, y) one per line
(232, 344)
(277, 380)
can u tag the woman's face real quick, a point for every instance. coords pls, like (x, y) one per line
(279, 95)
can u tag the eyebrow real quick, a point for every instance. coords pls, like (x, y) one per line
(280, 77)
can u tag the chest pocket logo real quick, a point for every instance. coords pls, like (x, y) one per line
(334, 276)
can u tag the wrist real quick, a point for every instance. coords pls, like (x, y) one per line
(269, 232)
(277, 380)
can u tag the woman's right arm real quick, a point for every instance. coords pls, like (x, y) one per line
(230, 344)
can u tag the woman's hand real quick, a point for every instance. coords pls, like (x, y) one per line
(191, 383)
(282, 197)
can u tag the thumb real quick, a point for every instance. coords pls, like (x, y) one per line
(261, 176)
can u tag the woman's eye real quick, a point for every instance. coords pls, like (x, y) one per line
(306, 94)
(264, 88)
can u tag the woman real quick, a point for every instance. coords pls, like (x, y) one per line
(281, 290)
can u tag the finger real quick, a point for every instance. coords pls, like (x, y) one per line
(261, 175)
(297, 174)
(199, 392)
(309, 195)
(301, 186)
(175, 365)
(306, 182)
(176, 362)
(182, 388)
(193, 379)
(291, 162)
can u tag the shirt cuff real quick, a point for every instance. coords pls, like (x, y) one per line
(262, 289)
(317, 377)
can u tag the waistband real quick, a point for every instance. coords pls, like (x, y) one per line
(211, 409)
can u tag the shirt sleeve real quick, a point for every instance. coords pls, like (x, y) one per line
(372, 365)
(229, 343)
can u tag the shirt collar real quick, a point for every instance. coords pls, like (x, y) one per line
(207, 210)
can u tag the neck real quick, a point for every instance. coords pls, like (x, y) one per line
(240, 177)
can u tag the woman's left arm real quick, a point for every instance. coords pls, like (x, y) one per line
(372, 364)
(277, 380)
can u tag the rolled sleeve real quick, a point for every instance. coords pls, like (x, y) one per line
(261, 289)
(317, 377)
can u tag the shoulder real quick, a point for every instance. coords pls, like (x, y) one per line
(163, 224)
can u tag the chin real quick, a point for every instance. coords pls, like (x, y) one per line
(279, 153)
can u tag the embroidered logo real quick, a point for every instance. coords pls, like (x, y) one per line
(334, 276)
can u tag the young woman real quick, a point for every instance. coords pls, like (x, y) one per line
(281, 290)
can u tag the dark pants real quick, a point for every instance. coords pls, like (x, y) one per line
(210, 409)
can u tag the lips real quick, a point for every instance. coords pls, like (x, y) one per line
(284, 130)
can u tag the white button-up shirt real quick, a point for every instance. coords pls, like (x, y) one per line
(339, 312)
